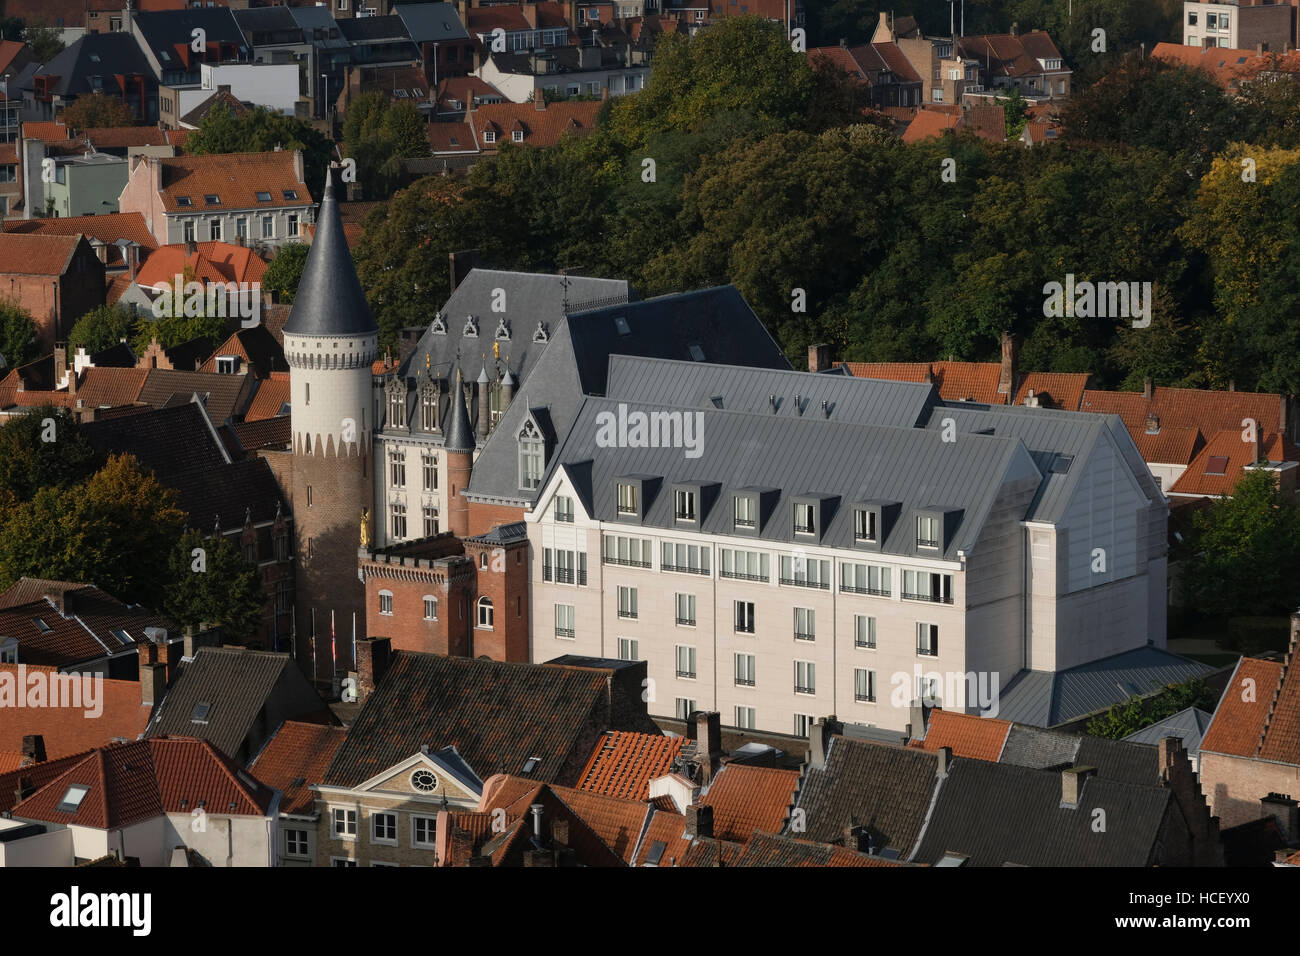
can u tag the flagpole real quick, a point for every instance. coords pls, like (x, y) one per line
(354, 640)
(313, 645)
(334, 657)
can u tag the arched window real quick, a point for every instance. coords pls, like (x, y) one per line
(429, 406)
(485, 613)
(532, 456)
(396, 404)
(482, 560)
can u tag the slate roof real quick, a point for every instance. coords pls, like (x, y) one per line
(27, 589)
(745, 799)
(266, 433)
(133, 782)
(358, 29)
(206, 495)
(73, 730)
(623, 763)
(996, 813)
(887, 790)
(164, 30)
(768, 849)
(1266, 728)
(459, 435)
(1187, 725)
(1040, 749)
(1047, 698)
(329, 299)
(234, 681)
(294, 759)
(169, 441)
(119, 55)
(857, 463)
(431, 22)
(736, 388)
(496, 715)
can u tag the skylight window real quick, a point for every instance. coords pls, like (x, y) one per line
(531, 764)
(1217, 465)
(1061, 464)
(41, 625)
(164, 56)
(290, 193)
(122, 636)
(212, 199)
(621, 326)
(202, 711)
(94, 58)
(72, 798)
(656, 853)
(263, 196)
(697, 353)
(183, 201)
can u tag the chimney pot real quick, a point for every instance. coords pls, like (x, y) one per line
(1072, 781)
(699, 821)
(1146, 389)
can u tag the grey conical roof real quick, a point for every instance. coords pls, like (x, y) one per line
(460, 437)
(329, 299)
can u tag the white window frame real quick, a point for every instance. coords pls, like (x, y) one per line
(348, 820)
(431, 830)
(484, 603)
(386, 603)
(430, 599)
(375, 817)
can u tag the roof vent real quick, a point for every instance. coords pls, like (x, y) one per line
(826, 409)
(798, 405)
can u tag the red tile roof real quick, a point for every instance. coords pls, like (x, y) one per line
(977, 381)
(617, 822)
(138, 781)
(110, 387)
(272, 395)
(1219, 464)
(122, 137)
(1228, 66)
(10, 761)
(541, 127)
(26, 590)
(71, 730)
(36, 255)
(452, 138)
(49, 132)
(748, 798)
(1053, 389)
(234, 177)
(624, 762)
(927, 124)
(1209, 411)
(107, 228)
(212, 262)
(294, 759)
(1238, 725)
(37, 775)
(669, 828)
(980, 738)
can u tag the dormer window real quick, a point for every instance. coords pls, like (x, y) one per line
(517, 136)
(489, 136)
(429, 406)
(532, 456)
(396, 405)
(927, 531)
(805, 518)
(745, 512)
(865, 525)
(684, 505)
(627, 499)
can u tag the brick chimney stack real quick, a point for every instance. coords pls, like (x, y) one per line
(374, 654)
(1072, 781)
(819, 357)
(1007, 376)
(33, 749)
(708, 744)
(699, 821)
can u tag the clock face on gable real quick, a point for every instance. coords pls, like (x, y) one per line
(424, 781)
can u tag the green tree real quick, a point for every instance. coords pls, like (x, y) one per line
(1243, 552)
(30, 462)
(1016, 108)
(285, 271)
(380, 134)
(17, 336)
(101, 328)
(260, 130)
(116, 529)
(46, 42)
(211, 582)
(1126, 718)
(172, 330)
(96, 110)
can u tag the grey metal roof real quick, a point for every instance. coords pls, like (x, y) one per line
(716, 324)
(329, 299)
(431, 22)
(1046, 699)
(459, 437)
(361, 29)
(1046, 432)
(802, 456)
(319, 18)
(162, 29)
(866, 401)
(998, 813)
(118, 54)
(1188, 725)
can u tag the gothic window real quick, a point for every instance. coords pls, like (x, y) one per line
(396, 404)
(532, 456)
(429, 406)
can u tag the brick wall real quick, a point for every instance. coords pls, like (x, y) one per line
(483, 518)
(452, 586)
(1235, 785)
(504, 580)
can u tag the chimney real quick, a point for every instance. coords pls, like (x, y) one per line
(929, 374)
(539, 100)
(374, 654)
(1072, 781)
(819, 739)
(944, 764)
(1232, 384)
(153, 683)
(537, 809)
(853, 835)
(708, 743)
(24, 789)
(819, 357)
(298, 170)
(699, 821)
(191, 247)
(33, 749)
(560, 832)
(1279, 806)
(885, 24)
(461, 263)
(1146, 389)
(1153, 423)
(60, 363)
(191, 642)
(844, 43)
(1007, 376)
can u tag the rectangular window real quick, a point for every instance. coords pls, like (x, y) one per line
(805, 521)
(745, 670)
(399, 520)
(628, 649)
(627, 499)
(685, 661)
(685, 610)
(214, 230)
(430, 515)
(865, 579)
(864, 525)
(927, 640)
(864, 685)
(805, 677)
(564, 508)
(397, 468)
(383, 827)
(424, 831)
(295, 842)
(685, 707)
(864, 631)
(743, 565)
(805, 628)
(745, 617)
(241, 228)
(684, 505)
(927, 586)
(385, 602)
(293, 225)
(927, 531)
(429, 470)
(344, 823)
(803, 724)
(629, 552)
(1191, 19)
(627, 602)
(805, 572)
(564, 621)
(430, 608)
(187, 230)
(685, 558)
(744, 512)
(745, 719)
(268, 227)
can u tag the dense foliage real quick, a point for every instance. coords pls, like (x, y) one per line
(261, 130)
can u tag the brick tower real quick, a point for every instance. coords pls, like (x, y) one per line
(330, 341)
(459, 445)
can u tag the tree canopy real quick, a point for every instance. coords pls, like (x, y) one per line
(261, 130)
(96, 110)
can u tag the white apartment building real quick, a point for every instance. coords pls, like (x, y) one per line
(841, 546)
